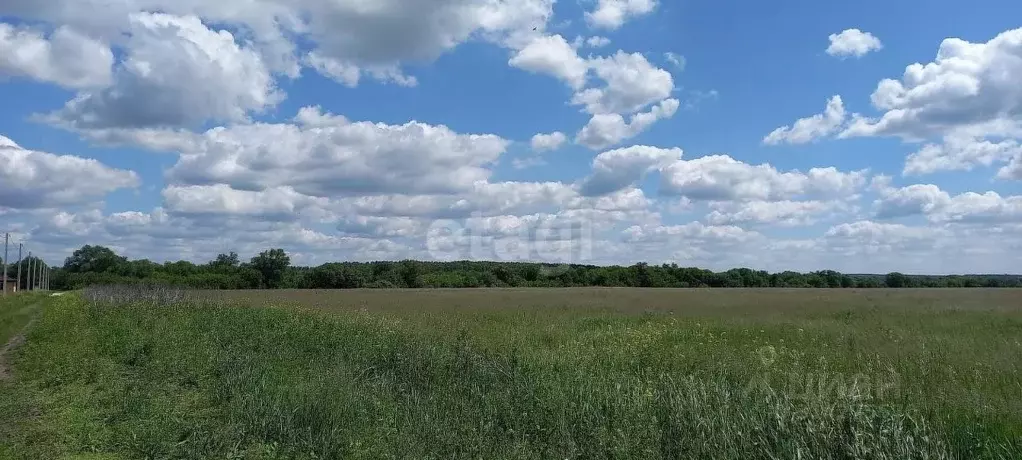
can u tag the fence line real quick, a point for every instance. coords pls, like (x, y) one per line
(36, 275)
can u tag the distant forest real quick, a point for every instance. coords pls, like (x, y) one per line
(272, 269)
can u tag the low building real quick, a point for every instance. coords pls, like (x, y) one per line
(12, 283)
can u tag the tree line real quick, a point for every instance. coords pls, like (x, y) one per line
(272, 269)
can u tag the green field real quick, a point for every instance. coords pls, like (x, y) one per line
(517, 373)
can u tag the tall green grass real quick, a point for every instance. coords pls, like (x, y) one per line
(16, 311)
(200, 380)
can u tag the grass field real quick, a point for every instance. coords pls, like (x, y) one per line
(531, 373)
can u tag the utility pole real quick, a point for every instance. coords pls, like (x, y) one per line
(39, 274)
(29, 285)
(18, 286)
(7, 238)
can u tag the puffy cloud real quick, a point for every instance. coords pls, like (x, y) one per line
(482, 198)
(853, 42)
(353, 33)
(66, 57)
(975, 208)
(597, 41)
(939, 207)
(722, 178)
(326, 155)
(176, 72)
(551, 54)
(500, 199)
(349, 74)
(627, 200)
(809, 129)
(539, 226)
(969, 87)
(958, 153)
(632, 83)
(691, 244)
(31, 179)
(386, 227)
(391, 32)
(782, 213)
(614, 170)
(912, 200)
(688, 232)
(868, 237)
(344, 73)
(612, 14)
(270, 24)
(280, 203)
(545, 142)
(1013, 170)
(607, 129)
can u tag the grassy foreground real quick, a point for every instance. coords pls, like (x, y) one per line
(15, 314)
(506, 375)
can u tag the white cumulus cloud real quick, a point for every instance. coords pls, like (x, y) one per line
(65, 57)
(612, 14)
(632, 83)
(722, 178)
(551, 141)
(940, 207)
(176, 72)
(552, 55)
(30, 179)
(782, 213)
(957, 153)
(811, 128)
(969, 89)
(327, 155)
(607, 129)
(853, 42)
(597, 41)
(614, 170)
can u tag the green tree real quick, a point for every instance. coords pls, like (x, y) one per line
(410, 272)
(896, 280)
(271, 265)
(225, 261)
(95, 259)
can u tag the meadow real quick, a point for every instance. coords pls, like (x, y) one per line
(575, 373)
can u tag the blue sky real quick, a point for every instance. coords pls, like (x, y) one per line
(172, 130)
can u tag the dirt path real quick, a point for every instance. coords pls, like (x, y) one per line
(14, 342)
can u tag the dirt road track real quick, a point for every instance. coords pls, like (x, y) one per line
(14, 342)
